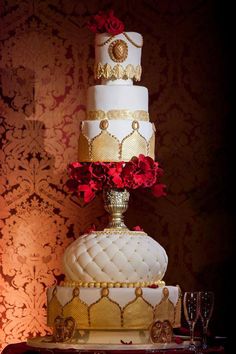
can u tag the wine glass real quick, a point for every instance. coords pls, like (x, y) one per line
(191, 313)
(206, 305)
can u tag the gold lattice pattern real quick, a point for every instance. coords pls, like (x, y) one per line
(106, 71)
(106, 313)
(106, 147)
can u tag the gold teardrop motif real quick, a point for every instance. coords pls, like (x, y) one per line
(118, 51)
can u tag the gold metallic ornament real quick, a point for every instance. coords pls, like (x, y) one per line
(135, 125)
(104, 124)
(118, 51)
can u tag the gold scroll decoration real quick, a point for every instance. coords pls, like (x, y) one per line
(118, 114)
(106, 71)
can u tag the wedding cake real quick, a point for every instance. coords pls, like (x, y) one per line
(113, 289)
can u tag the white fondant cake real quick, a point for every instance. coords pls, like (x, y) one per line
(113, 289)
(116, 256)
(117, 126)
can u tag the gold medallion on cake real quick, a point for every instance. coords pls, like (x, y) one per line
(118, 51)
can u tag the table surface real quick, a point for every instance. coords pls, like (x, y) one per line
(23, 348)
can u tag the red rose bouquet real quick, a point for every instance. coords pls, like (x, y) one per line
(87, 178)
(106, 22)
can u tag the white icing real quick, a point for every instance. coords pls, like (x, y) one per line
(111, 97)
(134, 53)
(115, 258)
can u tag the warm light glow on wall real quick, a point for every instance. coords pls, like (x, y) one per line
(46, 66)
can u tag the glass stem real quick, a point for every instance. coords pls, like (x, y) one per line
(191, 328)
(204, 336)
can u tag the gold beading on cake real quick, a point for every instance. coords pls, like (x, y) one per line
(118, 114)
(82, 284)
(106, 71)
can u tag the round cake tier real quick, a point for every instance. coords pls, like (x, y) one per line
(115, 256)
(114, 309)
(115, 140)
(119, 56)
(115, 102)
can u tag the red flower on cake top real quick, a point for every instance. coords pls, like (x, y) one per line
(106, 22)
(87, 178)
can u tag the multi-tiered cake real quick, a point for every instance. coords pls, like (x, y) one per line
(113, 289)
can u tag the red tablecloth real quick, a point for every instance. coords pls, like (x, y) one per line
(23, 348)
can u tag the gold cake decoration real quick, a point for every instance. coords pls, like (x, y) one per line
(138, 313)
(54, 308)
(118, 50)
(106, 313)
(106, 71)
(77, 309)
(80, 283)
(106, 147)
(63, 329)
(118, 114)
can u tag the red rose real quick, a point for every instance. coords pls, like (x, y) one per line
(113, 25)
(158, 190)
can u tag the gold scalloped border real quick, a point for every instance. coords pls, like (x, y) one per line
(106, 71)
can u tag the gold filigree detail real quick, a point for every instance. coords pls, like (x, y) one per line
(63, 329)
(116, 203)
(161, 332)
(118, 51)
(106, 71)
(118, 114)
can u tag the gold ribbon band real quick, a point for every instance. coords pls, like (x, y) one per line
(118, 114)
(106, 71)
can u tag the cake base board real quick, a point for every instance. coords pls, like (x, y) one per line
(48, 343)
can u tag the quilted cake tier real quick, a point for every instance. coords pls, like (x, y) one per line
(113, 256)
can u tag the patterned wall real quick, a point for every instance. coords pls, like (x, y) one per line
(46, 66)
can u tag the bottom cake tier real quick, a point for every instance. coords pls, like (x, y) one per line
(113, 315)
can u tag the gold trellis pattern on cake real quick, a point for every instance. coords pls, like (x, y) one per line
(106, 147)
(106, 313)
(138, 313)
(77, 309)
(106, 71)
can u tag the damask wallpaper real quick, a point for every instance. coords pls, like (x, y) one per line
(46, 66)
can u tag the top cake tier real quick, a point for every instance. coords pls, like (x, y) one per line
(118, 58)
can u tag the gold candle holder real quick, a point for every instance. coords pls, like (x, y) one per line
(116, 203)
